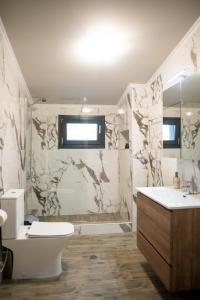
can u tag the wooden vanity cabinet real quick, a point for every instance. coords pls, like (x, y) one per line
(170, 241)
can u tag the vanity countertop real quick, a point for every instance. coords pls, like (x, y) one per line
(170, 197)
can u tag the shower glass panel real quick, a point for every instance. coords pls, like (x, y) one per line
(75, 165)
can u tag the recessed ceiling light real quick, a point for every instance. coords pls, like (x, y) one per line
(101, 45)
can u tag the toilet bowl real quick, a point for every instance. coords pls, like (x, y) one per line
(37, 249)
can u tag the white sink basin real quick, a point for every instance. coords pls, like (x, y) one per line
(170, 197)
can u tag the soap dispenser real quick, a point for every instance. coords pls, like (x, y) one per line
(176, 181)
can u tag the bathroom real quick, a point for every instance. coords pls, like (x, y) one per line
(94, 188)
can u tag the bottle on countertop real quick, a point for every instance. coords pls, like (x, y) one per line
(176, 181)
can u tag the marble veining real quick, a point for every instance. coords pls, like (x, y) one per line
(112, 131)
(73, 181)
(157, 90)
(13, 101)
(48, 184)
(191, 131)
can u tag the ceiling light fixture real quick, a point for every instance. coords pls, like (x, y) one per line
(101, 45)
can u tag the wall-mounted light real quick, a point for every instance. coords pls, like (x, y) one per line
(178, 76)
(121, 111)
(189, 113)
(86, 109)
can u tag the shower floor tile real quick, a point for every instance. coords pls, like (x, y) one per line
(104, 228)
(85, 218)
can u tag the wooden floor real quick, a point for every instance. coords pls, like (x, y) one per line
(98, 267)
(85, 218)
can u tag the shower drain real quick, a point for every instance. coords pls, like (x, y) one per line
(92, 257)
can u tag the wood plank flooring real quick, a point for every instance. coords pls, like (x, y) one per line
(85, 218)
(108, 267)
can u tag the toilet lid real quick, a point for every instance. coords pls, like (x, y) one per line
(50, 229)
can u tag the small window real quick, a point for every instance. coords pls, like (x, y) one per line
(78, 132)
(171, 133)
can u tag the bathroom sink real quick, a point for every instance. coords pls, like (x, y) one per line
(170, 197)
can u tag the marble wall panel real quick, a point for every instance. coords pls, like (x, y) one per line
(73, 181)
(125, 183)
(134, 119)
(155, 152)
(45, 124)
(14, 98)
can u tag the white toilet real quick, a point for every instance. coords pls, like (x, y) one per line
(37, 248)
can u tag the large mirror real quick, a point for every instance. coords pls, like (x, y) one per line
(181, 119)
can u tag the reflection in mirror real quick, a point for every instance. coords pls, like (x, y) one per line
(171, 121)
(190, 114)
(171, 131)
(181, 106)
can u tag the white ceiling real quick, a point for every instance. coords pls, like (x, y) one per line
(41, 33)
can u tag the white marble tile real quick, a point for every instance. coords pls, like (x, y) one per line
(74, 181)
(13, 131)
(125, 183)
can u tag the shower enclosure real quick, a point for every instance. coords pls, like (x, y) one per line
(76, 185)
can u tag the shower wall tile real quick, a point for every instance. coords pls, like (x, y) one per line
(125, 184)
(73, 181)
(45, 123)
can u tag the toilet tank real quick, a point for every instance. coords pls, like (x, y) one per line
(13, 203)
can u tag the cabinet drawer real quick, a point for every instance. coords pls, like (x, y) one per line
(161, 268)
(154, 222)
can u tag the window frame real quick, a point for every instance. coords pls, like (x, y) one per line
(177, 142)
(78, 144)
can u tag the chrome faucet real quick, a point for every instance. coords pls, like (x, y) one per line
(189, 188)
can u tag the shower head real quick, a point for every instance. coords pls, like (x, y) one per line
(38, 100)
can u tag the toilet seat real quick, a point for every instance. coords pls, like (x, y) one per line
(50, 229)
